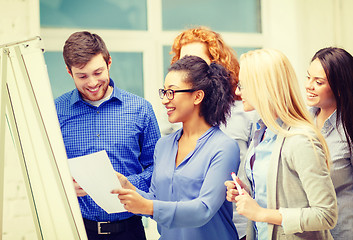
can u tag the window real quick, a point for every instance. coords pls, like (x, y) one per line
(226, 15)
(103, 14)
(139, 33)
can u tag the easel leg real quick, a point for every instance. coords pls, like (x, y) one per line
(7, 106)
(2, 130)
(9, 116)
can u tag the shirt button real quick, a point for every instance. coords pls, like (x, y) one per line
(97, 112)
(98, 135)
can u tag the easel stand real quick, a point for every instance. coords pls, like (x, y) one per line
(28, 108)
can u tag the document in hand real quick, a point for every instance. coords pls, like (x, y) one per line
(96, 175)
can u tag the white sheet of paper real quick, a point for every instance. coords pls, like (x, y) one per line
(96, 175)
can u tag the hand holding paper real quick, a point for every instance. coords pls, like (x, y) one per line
(134, 202)
(124, 182)
(79, 191)
(96, 175)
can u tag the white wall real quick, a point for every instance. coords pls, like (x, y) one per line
(19, 20)
(300, 28)
(344, 24)
(297, 27)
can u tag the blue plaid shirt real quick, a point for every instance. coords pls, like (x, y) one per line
(125, 126)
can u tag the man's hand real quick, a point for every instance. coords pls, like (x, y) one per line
(79, 191)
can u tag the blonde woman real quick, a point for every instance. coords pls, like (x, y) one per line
(287, 165)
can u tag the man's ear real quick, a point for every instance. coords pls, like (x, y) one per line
(199, 95)
(109, 63)
(69, 72)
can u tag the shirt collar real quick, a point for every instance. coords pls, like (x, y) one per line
(261, 128)
(204, 136)
(330, 121)
(116, 94)
(259, 132)
(332, 118)
(314, 111)
(260, 124)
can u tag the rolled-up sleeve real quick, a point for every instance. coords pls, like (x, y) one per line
(308, 160)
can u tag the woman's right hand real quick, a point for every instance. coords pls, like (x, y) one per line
(232, 191)
(134, 202)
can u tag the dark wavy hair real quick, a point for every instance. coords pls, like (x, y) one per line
(338, 66)
(81, 47)
(214, 81)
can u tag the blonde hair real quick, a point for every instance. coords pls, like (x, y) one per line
(275, 93)
(218, 51)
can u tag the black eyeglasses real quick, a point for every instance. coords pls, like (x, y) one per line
(169, 93)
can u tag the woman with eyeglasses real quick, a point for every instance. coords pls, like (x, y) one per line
(209, 45)
(287, 192)
(186, 197)
(329, 91)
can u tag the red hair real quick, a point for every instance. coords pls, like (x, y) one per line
(218, 51)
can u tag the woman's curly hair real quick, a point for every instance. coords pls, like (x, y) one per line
(219, 52)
